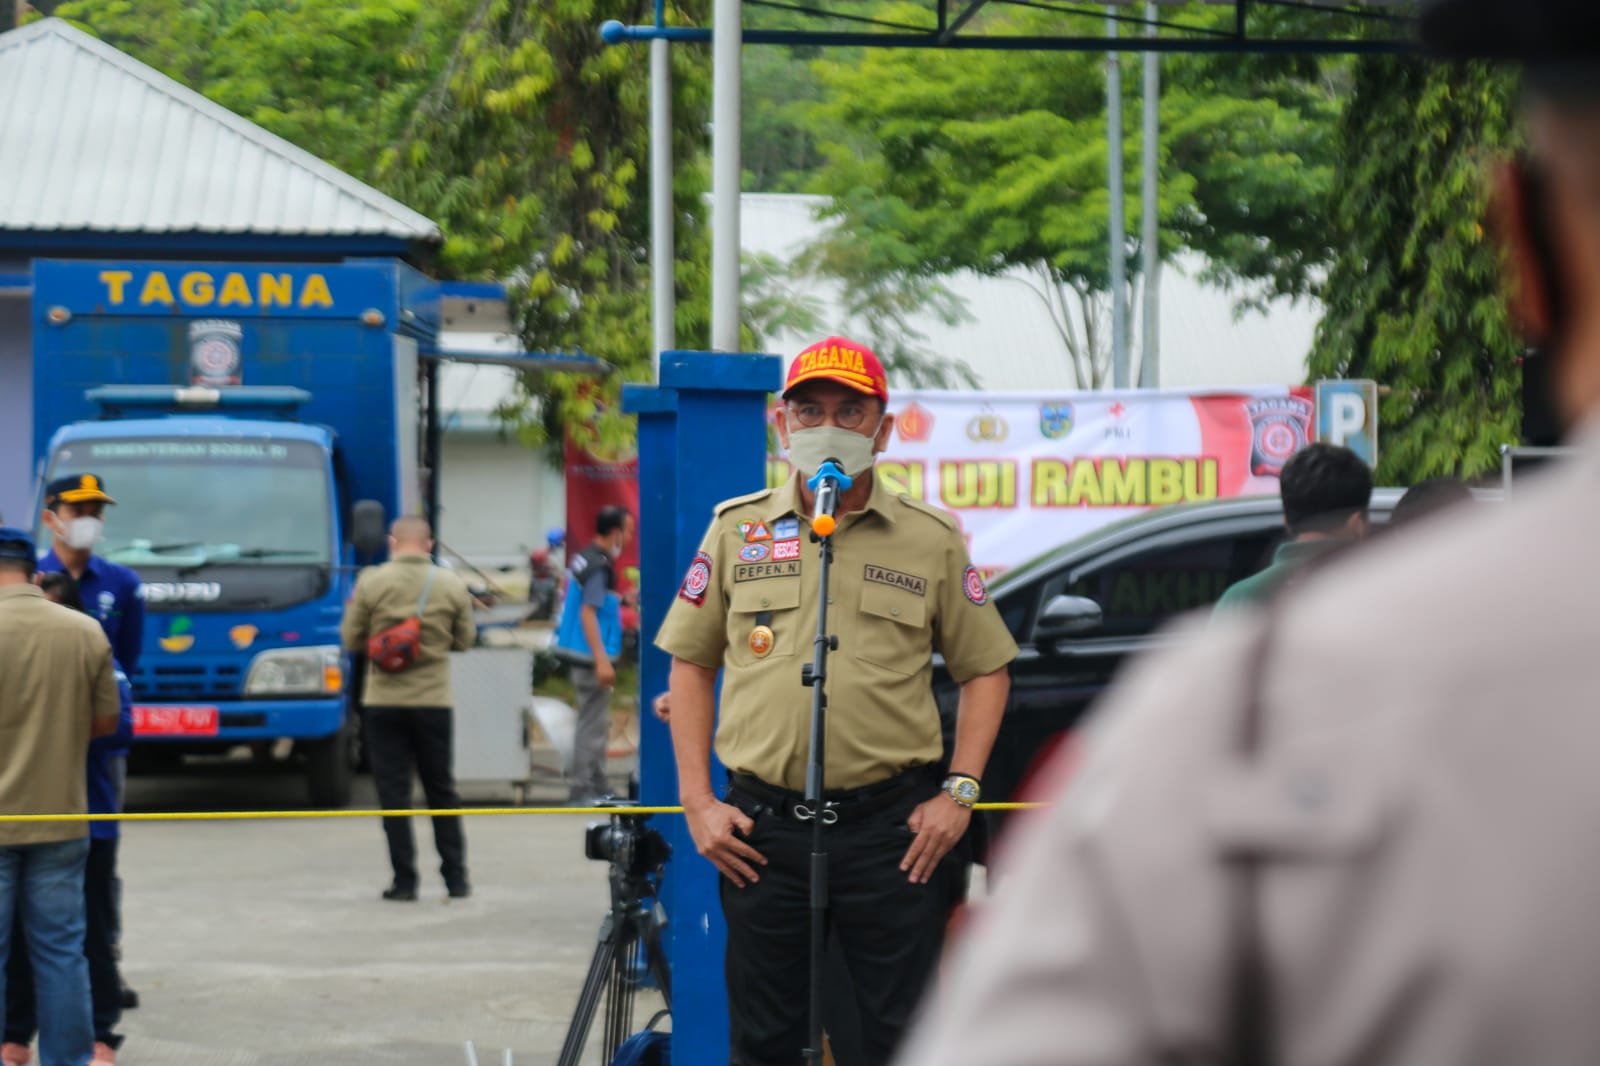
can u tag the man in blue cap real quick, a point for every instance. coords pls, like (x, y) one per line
(1358, 824)
(58, 688)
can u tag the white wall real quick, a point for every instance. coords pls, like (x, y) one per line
(498, 499)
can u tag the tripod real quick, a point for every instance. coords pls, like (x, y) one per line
(630, 935)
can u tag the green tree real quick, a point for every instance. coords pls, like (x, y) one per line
(1413, 298)
(996, 163)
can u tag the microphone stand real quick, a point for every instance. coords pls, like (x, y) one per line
(828, 483)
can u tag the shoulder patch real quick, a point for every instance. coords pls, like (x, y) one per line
(938, 514)
(696, 581)
(754, 497)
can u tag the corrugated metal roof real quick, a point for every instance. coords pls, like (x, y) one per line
(91, 139)
(1011, 342)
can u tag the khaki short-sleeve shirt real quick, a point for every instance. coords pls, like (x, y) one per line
(902, 587)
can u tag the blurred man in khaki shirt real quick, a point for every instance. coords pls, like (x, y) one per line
(58, 688)
(1360, 825)
(408, 714)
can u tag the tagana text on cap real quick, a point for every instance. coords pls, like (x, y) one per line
(844, 361)
(78, 488)
(16, 544)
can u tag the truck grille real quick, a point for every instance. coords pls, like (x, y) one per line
(185, 682)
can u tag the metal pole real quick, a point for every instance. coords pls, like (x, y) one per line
(726, 39)
(1150, 361)
(662, 253)
(1119, 240)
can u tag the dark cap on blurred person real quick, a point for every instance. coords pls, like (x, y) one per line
(17, 544)
(76, 488)
(1558, 41)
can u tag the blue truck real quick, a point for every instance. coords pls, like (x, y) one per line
(257, 424)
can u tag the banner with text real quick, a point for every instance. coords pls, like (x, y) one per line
(1025, 472)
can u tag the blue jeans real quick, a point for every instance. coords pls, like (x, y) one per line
(44, 884)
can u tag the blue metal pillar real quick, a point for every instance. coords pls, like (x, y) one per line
(702, 439)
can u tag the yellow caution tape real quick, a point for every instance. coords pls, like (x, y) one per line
(469, 812)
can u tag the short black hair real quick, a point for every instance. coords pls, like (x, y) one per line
(612, 517)
(1426, 497)
(1322, 486)
(26, 567)
(59, 586)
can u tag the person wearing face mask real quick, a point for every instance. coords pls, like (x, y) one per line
(589, 638)
(74, 515)
(902, 588)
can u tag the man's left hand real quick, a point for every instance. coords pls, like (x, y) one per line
(938, 823)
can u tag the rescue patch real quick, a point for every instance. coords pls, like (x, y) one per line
(909, 582)
(697, 580)
(786, 549)
(754, 553)
(757, 531)
(759, 571)
(786, 528)
(972, 584)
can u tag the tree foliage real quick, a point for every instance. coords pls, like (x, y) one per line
(1413, 299)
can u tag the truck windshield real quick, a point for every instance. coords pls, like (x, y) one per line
(194, 502)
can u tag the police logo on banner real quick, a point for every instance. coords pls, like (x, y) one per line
(1279, 427)
(1055, 420)
(214, 347)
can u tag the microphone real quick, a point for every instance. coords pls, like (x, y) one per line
(829, 480)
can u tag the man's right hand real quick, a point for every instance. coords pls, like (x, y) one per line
(605, 673)
(712, 824)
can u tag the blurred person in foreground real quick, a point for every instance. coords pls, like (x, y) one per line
(1359, 825)
(105, 983)
(1326, 491)
(58, 689)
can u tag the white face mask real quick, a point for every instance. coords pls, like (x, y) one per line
(810, 448)
(81, 534)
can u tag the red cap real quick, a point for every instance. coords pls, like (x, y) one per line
(846, 362)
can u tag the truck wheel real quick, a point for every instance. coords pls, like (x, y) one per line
(328, 761)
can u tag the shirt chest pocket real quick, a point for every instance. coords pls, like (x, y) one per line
(894, 629)
(774, 604)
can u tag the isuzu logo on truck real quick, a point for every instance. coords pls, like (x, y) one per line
(181, 591)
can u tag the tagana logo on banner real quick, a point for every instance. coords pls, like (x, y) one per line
(1024, 473)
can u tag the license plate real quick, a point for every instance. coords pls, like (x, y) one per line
(175, 721)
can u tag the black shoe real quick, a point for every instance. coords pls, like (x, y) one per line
(401, 893)
(130, 998)
(461, 891)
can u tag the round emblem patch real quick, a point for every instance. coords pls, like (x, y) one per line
(755, 553)
(972, 583)
(697, 580)
(761, 641)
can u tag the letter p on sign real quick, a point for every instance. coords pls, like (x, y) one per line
(1347, 415)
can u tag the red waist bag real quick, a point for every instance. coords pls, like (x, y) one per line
(397, 649)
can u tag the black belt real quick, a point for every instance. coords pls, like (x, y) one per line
(842, 806)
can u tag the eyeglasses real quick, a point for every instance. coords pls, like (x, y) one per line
(850, 414)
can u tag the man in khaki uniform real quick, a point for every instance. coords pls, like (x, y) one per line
(1358, 825)
(58, 688)
(902, 587)
(408, 714)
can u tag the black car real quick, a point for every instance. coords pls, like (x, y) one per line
(1079, 611)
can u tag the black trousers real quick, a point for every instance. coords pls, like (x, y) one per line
(887, 932)
(403, 740)
(105, 983)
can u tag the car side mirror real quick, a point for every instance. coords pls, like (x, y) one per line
(368, 528)
(1069, 616)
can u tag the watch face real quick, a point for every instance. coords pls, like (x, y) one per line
(967, 791)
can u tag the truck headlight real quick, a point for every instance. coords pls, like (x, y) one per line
(316, 671)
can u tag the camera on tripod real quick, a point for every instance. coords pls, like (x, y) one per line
(628, 844)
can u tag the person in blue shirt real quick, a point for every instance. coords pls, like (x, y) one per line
(74, 514)
(589, 638)
(105, 981)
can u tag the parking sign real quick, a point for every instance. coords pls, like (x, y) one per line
(1347, 415)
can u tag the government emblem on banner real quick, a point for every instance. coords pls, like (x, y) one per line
(915, 424)
(1279, 427)
(214, 352)
(1055, 420)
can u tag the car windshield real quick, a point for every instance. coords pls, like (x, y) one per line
(193, 502)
